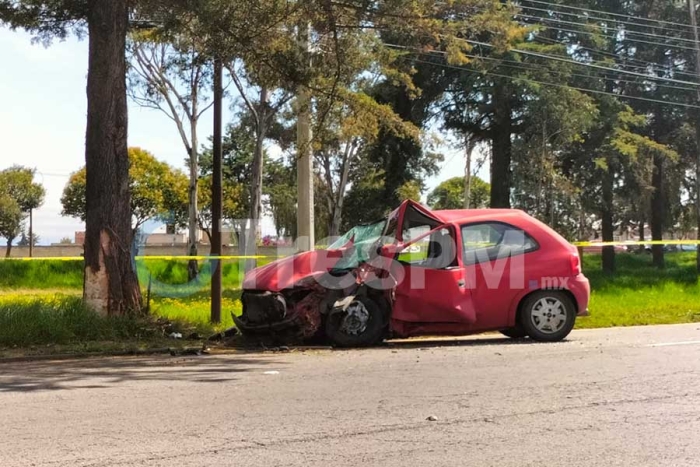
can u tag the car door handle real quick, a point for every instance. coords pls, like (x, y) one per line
(461, 283)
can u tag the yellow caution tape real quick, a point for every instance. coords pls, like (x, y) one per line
(202, 258)
(633, 243)
(139, 258)
(50, 258)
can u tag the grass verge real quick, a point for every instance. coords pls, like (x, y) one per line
(166, 276)
(27, 321)
(41, 310)
(640, 294)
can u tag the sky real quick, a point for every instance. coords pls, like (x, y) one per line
(42, 120)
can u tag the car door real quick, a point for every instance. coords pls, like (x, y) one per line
(431, 285)
(494, 255)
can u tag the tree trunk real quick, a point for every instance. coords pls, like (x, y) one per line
(642, 233)
(257, 178)
(697, 209)
(192, 265)
(336, 220)
(8, 248)
(351, 149)
(110, 284)
(658, 214)
(501, 147)
(31, 233)
(697, 185)
(242, 237)
(607, 220)
(696, 37)
(469, 148)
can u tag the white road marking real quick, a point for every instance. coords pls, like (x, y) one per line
(668, 344)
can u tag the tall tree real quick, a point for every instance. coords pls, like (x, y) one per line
(280, 203)
(10, 221)
(450, 194)
(156, 190)
(170, 72)
(110, 286)
(18, 185)
(261, 111)
(348, 127)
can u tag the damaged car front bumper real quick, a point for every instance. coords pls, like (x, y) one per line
(267, 312)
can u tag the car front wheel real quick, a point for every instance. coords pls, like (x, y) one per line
(548, 316)
(362, 324)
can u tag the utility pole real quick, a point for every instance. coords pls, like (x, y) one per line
(694, 23)
(216, 195)
(31, 233)
(305, 165)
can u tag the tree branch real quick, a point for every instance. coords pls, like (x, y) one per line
(239, 87)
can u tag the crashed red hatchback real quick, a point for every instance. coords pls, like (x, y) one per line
(422, 272)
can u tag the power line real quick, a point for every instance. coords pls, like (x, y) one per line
(590, 65)
(609, 13)
(625, 31)
(563, 86)
(628, 39)
(598, 18)
(533, 67)
(525, 66)
(643, 64)
(556, 58)
(558, 85)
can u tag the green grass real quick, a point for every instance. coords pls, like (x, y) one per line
(59, 319)
(40, 301)
(53, 274)
(196, 309)
(640, 294)
(40, 304)
(49, 274)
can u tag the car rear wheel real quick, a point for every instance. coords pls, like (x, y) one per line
(361, 324)
(548, 316)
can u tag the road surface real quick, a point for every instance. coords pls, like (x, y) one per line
(614, 397)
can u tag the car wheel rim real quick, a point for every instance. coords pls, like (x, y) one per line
(548, 315)
(355, 319)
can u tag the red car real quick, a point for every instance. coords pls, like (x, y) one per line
(421, 272)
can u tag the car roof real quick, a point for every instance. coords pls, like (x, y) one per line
(476, 215)
(518, 218)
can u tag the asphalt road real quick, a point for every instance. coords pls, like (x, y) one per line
(627, 397)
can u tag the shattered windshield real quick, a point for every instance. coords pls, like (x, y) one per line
(363, 237)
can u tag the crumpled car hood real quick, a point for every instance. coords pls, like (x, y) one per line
(284, 273)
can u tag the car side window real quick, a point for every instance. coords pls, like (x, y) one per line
(489, 241)
(436, 251)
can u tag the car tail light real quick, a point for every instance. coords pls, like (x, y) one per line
(575, 264)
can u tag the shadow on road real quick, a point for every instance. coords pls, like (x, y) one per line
(110, 372)
(467, 341)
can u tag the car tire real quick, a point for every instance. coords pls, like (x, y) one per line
(514, 333)
(548, 315)
(362, 324)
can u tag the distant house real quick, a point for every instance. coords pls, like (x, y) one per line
(79, 238)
